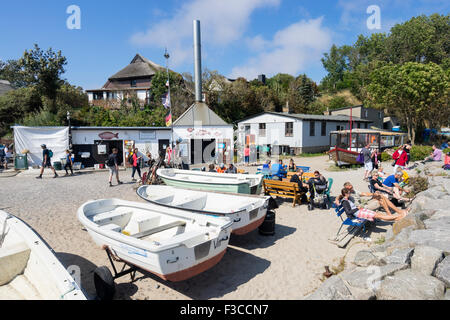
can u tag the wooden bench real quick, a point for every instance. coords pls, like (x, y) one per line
(283, 189)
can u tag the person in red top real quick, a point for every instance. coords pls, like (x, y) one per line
(136, 164)
(401, 157)
(247, 154)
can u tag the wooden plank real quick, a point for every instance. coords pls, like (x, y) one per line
(158, 229)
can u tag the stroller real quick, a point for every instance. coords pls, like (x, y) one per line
(321, 196)
(151, 177)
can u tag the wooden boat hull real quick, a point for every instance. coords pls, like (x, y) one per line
(344, 157)
(135, 233)
(29, 269)
(221, 182)
(246, 211)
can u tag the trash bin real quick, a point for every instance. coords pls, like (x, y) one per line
(57, 165)
(267, 228)
(21, 161)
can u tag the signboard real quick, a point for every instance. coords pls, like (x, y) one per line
(147, 135)
(101, 149)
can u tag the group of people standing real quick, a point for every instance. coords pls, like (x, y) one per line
(5, 155)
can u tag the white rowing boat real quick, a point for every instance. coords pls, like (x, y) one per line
(170, 243)
(29, 269)
(246, 211)
(222, 182)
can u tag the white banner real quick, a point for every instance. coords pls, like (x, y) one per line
(31, 138)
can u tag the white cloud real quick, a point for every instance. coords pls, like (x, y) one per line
(290, 51)
(222, 22)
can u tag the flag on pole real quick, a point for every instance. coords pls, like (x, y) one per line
(168, 119)
(166, 101)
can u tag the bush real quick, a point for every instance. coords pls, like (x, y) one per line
(385, 156)
(419, 152)
(417, 185)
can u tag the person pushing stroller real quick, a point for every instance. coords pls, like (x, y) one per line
(317, 186)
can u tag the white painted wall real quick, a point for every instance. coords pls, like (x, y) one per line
(142, 143)
(275, 130)
(187, 133)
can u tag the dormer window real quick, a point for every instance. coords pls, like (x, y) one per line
(133, 83)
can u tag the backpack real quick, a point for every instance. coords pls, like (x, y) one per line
(50, 153)
(110, 161)
(130, 160)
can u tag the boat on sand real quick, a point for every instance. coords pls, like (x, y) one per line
(29, 269)
(173, 244)
(246, 211)
(223, 182)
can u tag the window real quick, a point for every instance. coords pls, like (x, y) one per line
(365, 125)
(247, 130)
(262, 129)
(289, 129)
(324, 128)
(312, 128)
(379, 115)
(133, 83)
(359, 125)
(366, 114)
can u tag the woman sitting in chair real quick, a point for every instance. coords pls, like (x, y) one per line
(292, 167)
(353, 211)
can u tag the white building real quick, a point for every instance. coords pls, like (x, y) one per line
(302, 133)
(92, 145)
(205, 136)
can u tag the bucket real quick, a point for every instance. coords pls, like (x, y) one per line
(267, 228)
(57, 165)
(102, 165)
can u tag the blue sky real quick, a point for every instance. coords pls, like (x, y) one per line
(239, 37)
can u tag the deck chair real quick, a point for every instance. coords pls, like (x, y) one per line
(355, 225)
(277, 171)
(304, 168)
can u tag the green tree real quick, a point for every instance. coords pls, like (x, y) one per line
(413, 92)
(43, 69)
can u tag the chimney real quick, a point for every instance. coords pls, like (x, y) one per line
(286, 108)
(197, 61)
(262, 78)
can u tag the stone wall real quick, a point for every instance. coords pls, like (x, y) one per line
(414, 261)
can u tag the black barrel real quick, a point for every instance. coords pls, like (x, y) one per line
(267, 228)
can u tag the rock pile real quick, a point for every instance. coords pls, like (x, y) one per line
(413, 262)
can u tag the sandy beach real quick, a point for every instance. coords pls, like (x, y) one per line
(288, 265)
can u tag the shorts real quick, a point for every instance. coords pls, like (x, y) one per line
(373, 205)
(365, 214)
(368, 166)
(113, 170)
(47, 164)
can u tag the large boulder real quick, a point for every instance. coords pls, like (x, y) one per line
(409, 220)
(425, 259)
(441, 223)
(331, 289)
(439, 239)
(399, 256)
(410, 285)
(367, 278)
(366, 258)
(443, 271)
(436, 192)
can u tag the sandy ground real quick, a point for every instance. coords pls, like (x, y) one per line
(288, 265)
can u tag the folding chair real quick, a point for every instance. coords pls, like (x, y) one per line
(353, 223)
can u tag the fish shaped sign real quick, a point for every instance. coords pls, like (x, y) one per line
(108, 135)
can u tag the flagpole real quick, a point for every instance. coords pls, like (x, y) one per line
(167, 56)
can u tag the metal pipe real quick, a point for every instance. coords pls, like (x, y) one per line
(197, 61)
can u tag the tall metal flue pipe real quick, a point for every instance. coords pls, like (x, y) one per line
(197, 61)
